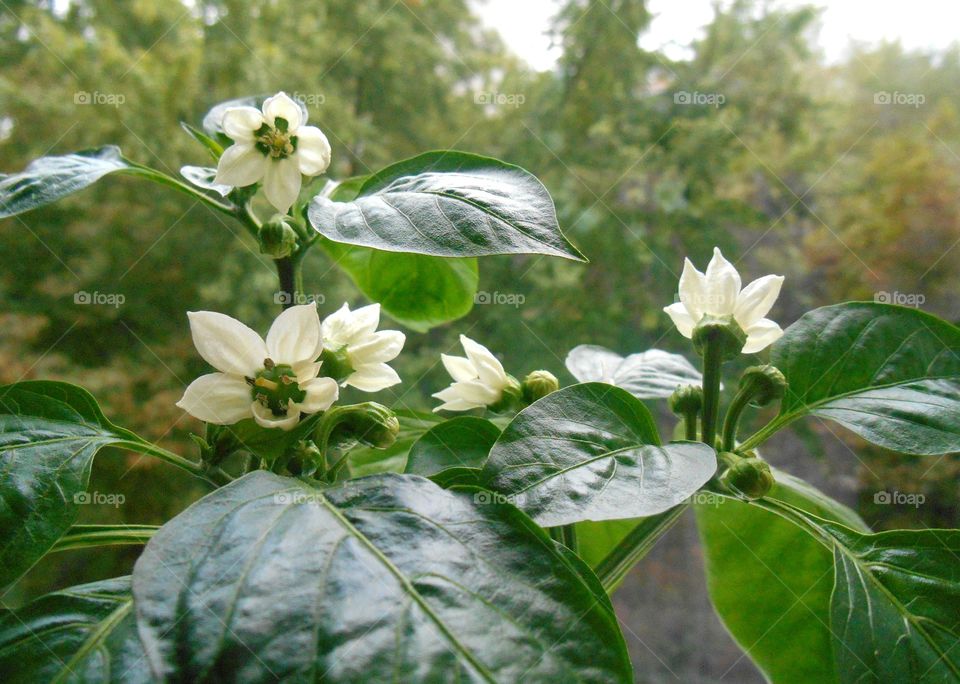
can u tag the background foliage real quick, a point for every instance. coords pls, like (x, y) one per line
(804, 169)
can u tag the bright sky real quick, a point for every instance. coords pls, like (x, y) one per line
(918, 24)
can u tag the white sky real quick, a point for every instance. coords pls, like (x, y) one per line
(918, 24)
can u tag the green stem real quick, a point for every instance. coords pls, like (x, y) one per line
(732, 419)
(767, 431)
(85, 536)
(171, 182)
(690, 426)
(211, 474)
(712, 361)
(287, 274)
(612, 569)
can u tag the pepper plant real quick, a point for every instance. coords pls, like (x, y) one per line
(357, 543)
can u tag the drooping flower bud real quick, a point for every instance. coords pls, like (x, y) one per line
(763, 384)
(748, 477)
(278, 237)
(539, 384)
(686, 400)
(305, 458)
(369, 423)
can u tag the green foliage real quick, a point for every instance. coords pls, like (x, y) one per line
(462, 442)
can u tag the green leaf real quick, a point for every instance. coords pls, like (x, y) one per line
(447, 203)
(418, 291)
(770, 581)
(213, 147)
(896, 606)
(888, 373)
(386, 578)
(591, 452)
(202, 177)
(49, 434)
(87, 633)
(652, 374)
(463, 441)
(49, 179)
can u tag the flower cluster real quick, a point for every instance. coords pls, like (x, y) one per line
(273, 381)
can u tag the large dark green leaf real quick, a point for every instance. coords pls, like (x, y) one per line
(49, 179)
(647, 375)
(896, 606)
(49, 434)
(447, 203)
(385, 578)
(591, 452)
(888, 373)
(419, 291)
(770, 581)
(83, 634)
(462, 442)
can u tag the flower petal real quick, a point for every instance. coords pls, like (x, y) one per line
(756, 300)
(760, 335)
(373, 378)
(364, 321)
(240, 123)
(313, 150)
(455, 405)
(335, 329)
(266, 419)
(281, 105)
(294, 335)
(321, 393)
(722, 284)
(488, 366)
(241, 165)
(226, 343)
(378, 347)
(681, 318)
(478, 392)
(281, 183)
(217, 398)
(459, 368)
(693, 290)
(307, 371)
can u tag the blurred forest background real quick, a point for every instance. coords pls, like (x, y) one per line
(835, 175)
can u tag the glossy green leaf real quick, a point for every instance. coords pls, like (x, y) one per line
(770, 581)
(652, 374)
(86, 633)
(447, 203)
(418, 291)
(591, 452)
(49, 434)
(213, 147)
(202, 177)
(896, 606)
(888, 373)
(49, 179)
(385, 578)
(461, 442)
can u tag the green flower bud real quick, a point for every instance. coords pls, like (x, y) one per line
(305, 458)
(686, 400)
(278, 237)
(539, 384)
(369, 423)
(719, 330)
(764, 384)
(749, 477)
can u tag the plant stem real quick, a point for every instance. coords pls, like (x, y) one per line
(732, 419)
(712, 361)
(287, 274)
(612, 569)
(171, 182)
(84, 536)
(690, 426)
(211, 474)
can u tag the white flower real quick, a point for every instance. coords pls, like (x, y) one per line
(273, 146)
(718, 293)
(274, 381)
(355, 334)
(479, 379)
